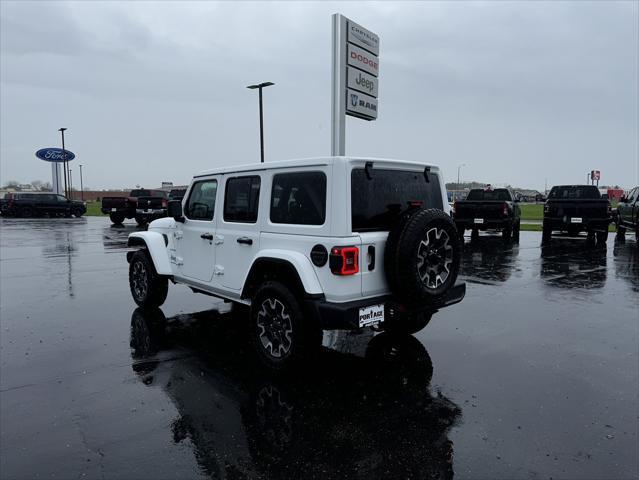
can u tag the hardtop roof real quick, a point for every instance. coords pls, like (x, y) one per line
(307, 162)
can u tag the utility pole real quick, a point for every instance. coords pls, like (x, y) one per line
(458, 169)
(64, 162)
(70, 186)
(260, 86)
(81, 186)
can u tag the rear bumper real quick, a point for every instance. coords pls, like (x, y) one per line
(587, 224)
(152, 211)
(345, 316)
(489, 223)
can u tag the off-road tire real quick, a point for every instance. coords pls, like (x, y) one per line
(117, 218)
(148, 288)
(422, 256)
(282, 337)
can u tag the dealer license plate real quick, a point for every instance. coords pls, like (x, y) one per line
(148, 210)
(114, 209)
(371, 315)
(478, 220)
(575, 220)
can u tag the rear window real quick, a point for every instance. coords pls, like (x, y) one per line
(377, 203)
(299, 198)
(499, 194)
(241, 199)
(574, 192)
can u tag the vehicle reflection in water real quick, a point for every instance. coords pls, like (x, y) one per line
(626, 258)
(488, 259)
(349, 416)
(573, 264)
(115, 237)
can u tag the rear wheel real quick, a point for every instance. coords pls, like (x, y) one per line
(546, 234)
(602, 238)
(117, 218)
(26, 212)
(516, 229)
(279, 331)
(77, 212)
(506, 233)
(140, 220)
(149, 289)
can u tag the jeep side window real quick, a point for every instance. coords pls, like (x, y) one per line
(201, 203)
(241, 199)
(299, 198)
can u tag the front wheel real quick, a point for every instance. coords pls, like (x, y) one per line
(77, 212)
(279, 331)
(148, 288)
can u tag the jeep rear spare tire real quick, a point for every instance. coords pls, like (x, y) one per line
(422, 256)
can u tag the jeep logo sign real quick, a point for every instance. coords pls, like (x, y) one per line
(362, 81)
(54, 154)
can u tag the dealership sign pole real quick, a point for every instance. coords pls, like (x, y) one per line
(355, 71)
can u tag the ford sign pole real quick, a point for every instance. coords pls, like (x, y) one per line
(260, 86)
(64, 161)
(81, 186)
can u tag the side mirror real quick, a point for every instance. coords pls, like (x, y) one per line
(174, 209)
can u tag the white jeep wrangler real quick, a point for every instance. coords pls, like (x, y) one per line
(310, 245)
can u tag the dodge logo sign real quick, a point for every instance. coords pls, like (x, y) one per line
(360, 58)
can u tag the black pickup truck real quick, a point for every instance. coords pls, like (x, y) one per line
(627, 216)
(488, 209)
(34, 204)
(154, 207)
(120, 208)
(574, 209)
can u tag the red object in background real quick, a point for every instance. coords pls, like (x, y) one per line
(615, 193)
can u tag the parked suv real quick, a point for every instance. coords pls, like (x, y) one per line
(309, 245)
(627, 215)
(33, 204)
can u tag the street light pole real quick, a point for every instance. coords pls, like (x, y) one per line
(70, 186)
(458, 169)
(260, 86)
(81, 186)
(64, 161)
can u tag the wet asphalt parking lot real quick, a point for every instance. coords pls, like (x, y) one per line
(534, 375)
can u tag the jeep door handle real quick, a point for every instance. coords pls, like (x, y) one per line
(245, 240)
(206, 236)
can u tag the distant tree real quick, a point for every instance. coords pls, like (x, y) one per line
(37, 184)
(11, 184)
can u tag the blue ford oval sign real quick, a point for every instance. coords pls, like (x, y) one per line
(54, 154)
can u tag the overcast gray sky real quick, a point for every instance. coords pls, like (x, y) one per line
(151, 92)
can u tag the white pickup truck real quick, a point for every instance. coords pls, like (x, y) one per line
(310, 245)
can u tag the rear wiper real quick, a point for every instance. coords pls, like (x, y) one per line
(426, 172)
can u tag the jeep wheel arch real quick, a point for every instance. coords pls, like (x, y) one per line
(155, 243)
(269, 268)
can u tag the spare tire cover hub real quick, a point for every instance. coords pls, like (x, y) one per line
(434, 257)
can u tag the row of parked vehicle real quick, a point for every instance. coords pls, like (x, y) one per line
(142, 204)
(570, 209)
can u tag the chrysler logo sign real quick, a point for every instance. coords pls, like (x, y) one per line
(362, 37)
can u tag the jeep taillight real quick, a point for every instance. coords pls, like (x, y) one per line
(344, 260)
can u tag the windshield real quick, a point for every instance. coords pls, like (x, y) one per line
(574, 192)
(376, 203)
(498, 194)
